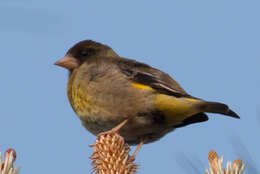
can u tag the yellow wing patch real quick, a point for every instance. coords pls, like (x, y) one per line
(176, 109)
(143, 87)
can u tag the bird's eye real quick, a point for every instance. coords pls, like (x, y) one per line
(83, 53)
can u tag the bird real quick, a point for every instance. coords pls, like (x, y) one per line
(106, 90)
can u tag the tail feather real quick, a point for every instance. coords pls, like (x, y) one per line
(220, 108)
(197, 118)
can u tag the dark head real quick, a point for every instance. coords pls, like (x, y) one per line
(83, 50)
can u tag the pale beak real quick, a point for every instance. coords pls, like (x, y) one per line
(68, 62)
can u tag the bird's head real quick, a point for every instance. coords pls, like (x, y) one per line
(81, 52)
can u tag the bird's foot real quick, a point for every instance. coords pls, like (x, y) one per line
(115, 129)
(137, 149)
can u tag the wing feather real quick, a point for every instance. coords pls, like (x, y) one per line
(147, 75)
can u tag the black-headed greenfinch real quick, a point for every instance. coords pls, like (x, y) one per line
(105, 89)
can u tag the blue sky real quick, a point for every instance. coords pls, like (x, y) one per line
(210, 47)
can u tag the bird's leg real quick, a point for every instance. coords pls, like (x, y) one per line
(115, 129)
(137, 149)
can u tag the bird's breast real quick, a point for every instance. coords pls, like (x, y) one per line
(103, 102)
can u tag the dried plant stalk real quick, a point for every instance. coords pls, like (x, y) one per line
(7, 165)
(215, 165)
(111, 155)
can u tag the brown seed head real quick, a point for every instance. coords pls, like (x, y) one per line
(111, 155)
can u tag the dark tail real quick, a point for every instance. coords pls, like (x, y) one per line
(220, 108)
